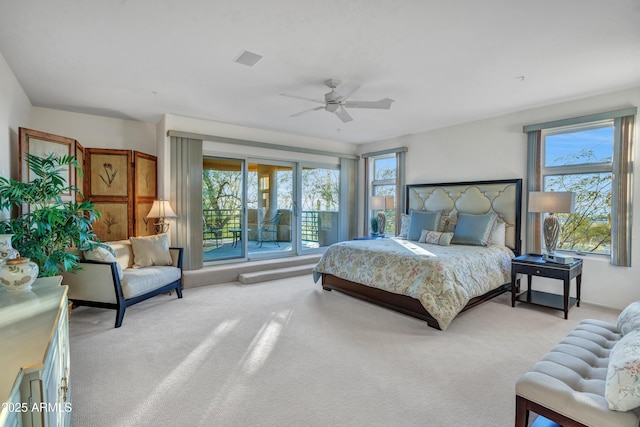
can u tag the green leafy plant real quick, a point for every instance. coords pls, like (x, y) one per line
(374, 224)
(47, 228)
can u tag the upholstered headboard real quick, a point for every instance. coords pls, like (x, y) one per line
(503, 197)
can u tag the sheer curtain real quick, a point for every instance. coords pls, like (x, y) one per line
(622, 193)
(186, 198)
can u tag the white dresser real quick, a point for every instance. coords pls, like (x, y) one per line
(34, 356)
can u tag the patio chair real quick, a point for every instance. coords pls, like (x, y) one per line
(216, 229)
(268, 230)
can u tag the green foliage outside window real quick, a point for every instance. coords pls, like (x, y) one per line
(588, 229)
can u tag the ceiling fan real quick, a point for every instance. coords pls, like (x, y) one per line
(336, 102)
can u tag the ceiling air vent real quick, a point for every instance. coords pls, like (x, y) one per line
(248, 58)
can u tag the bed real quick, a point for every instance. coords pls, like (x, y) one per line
(434, 282)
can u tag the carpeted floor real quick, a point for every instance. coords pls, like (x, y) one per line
(287, 353)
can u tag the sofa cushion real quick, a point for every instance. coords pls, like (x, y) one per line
(151, 250)
(629, 319)
(138, 281)
(104, 253)
(123, 251)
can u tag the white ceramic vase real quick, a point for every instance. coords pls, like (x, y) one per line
(6, 249)
(18, 274)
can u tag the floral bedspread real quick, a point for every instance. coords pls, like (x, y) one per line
(442, 278)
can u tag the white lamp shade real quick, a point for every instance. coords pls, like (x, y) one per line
(552, 201)
(381, 202)
(161, 209)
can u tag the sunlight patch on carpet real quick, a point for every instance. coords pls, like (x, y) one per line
(181, 374)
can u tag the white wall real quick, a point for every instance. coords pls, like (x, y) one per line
(496, 148)
(96, 131)
(14, 113)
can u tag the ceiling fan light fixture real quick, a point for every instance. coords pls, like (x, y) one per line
(248, 58)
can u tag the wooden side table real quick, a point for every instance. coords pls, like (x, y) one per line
(535, 265)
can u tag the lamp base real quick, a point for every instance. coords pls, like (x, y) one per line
(382, 222)
(161, 227)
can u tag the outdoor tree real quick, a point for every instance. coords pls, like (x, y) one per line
(588, 229)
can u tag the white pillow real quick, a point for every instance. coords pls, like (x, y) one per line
(622, 388)
(435, 237)
(629, 319)
(404, 226)
(102, 254)
(151, 250)
(499, 234)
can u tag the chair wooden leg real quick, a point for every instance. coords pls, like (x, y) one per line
(522, 413)
(120, 315)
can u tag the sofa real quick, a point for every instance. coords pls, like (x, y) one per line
(119, 274)
(590, 378)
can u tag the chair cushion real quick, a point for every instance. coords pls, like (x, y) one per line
(138, 281)
(102, 254)
(151, 250)
(123, 251)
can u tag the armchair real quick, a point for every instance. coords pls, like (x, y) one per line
(115, 282)
(268, 230)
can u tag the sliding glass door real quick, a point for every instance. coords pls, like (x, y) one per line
(222, 207)
(256, 209)
(271, 215)
(320, 205)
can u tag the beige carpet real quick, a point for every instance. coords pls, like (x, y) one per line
(287, 353)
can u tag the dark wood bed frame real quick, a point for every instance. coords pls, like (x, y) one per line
(411, 306)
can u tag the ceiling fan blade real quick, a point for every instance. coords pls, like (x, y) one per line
(306, 111)
(343, 115)
(345, 90)
(303, 98)
(384, 104)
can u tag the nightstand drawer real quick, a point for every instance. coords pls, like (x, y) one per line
(534, 270)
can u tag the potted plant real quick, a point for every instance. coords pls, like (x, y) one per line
(46, 228)
(374, 225)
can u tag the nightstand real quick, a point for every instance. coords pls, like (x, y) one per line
(535, 265)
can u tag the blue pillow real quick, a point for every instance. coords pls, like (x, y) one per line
(422, 220)
(474, 229)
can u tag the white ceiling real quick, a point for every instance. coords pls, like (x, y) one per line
(442, 61)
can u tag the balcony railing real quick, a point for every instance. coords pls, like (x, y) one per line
(213, 218)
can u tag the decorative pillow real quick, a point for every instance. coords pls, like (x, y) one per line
(499, 234)
(435, 237)
(151, 250)
(622, 388)
(103, 253)
(404, 226)
(474, 229)
(448, 223)
(629, 319)
(422, 220)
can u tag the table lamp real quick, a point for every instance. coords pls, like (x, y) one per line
(161, 209)
(552, 202)
(381, 203)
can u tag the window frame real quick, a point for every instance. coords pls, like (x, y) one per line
(575, 169)
(622, 178)
(399, 182)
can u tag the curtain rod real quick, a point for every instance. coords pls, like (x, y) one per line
(259, 144)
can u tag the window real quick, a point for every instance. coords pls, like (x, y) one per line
(384, 171)
(591, 156)
(580, 159)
